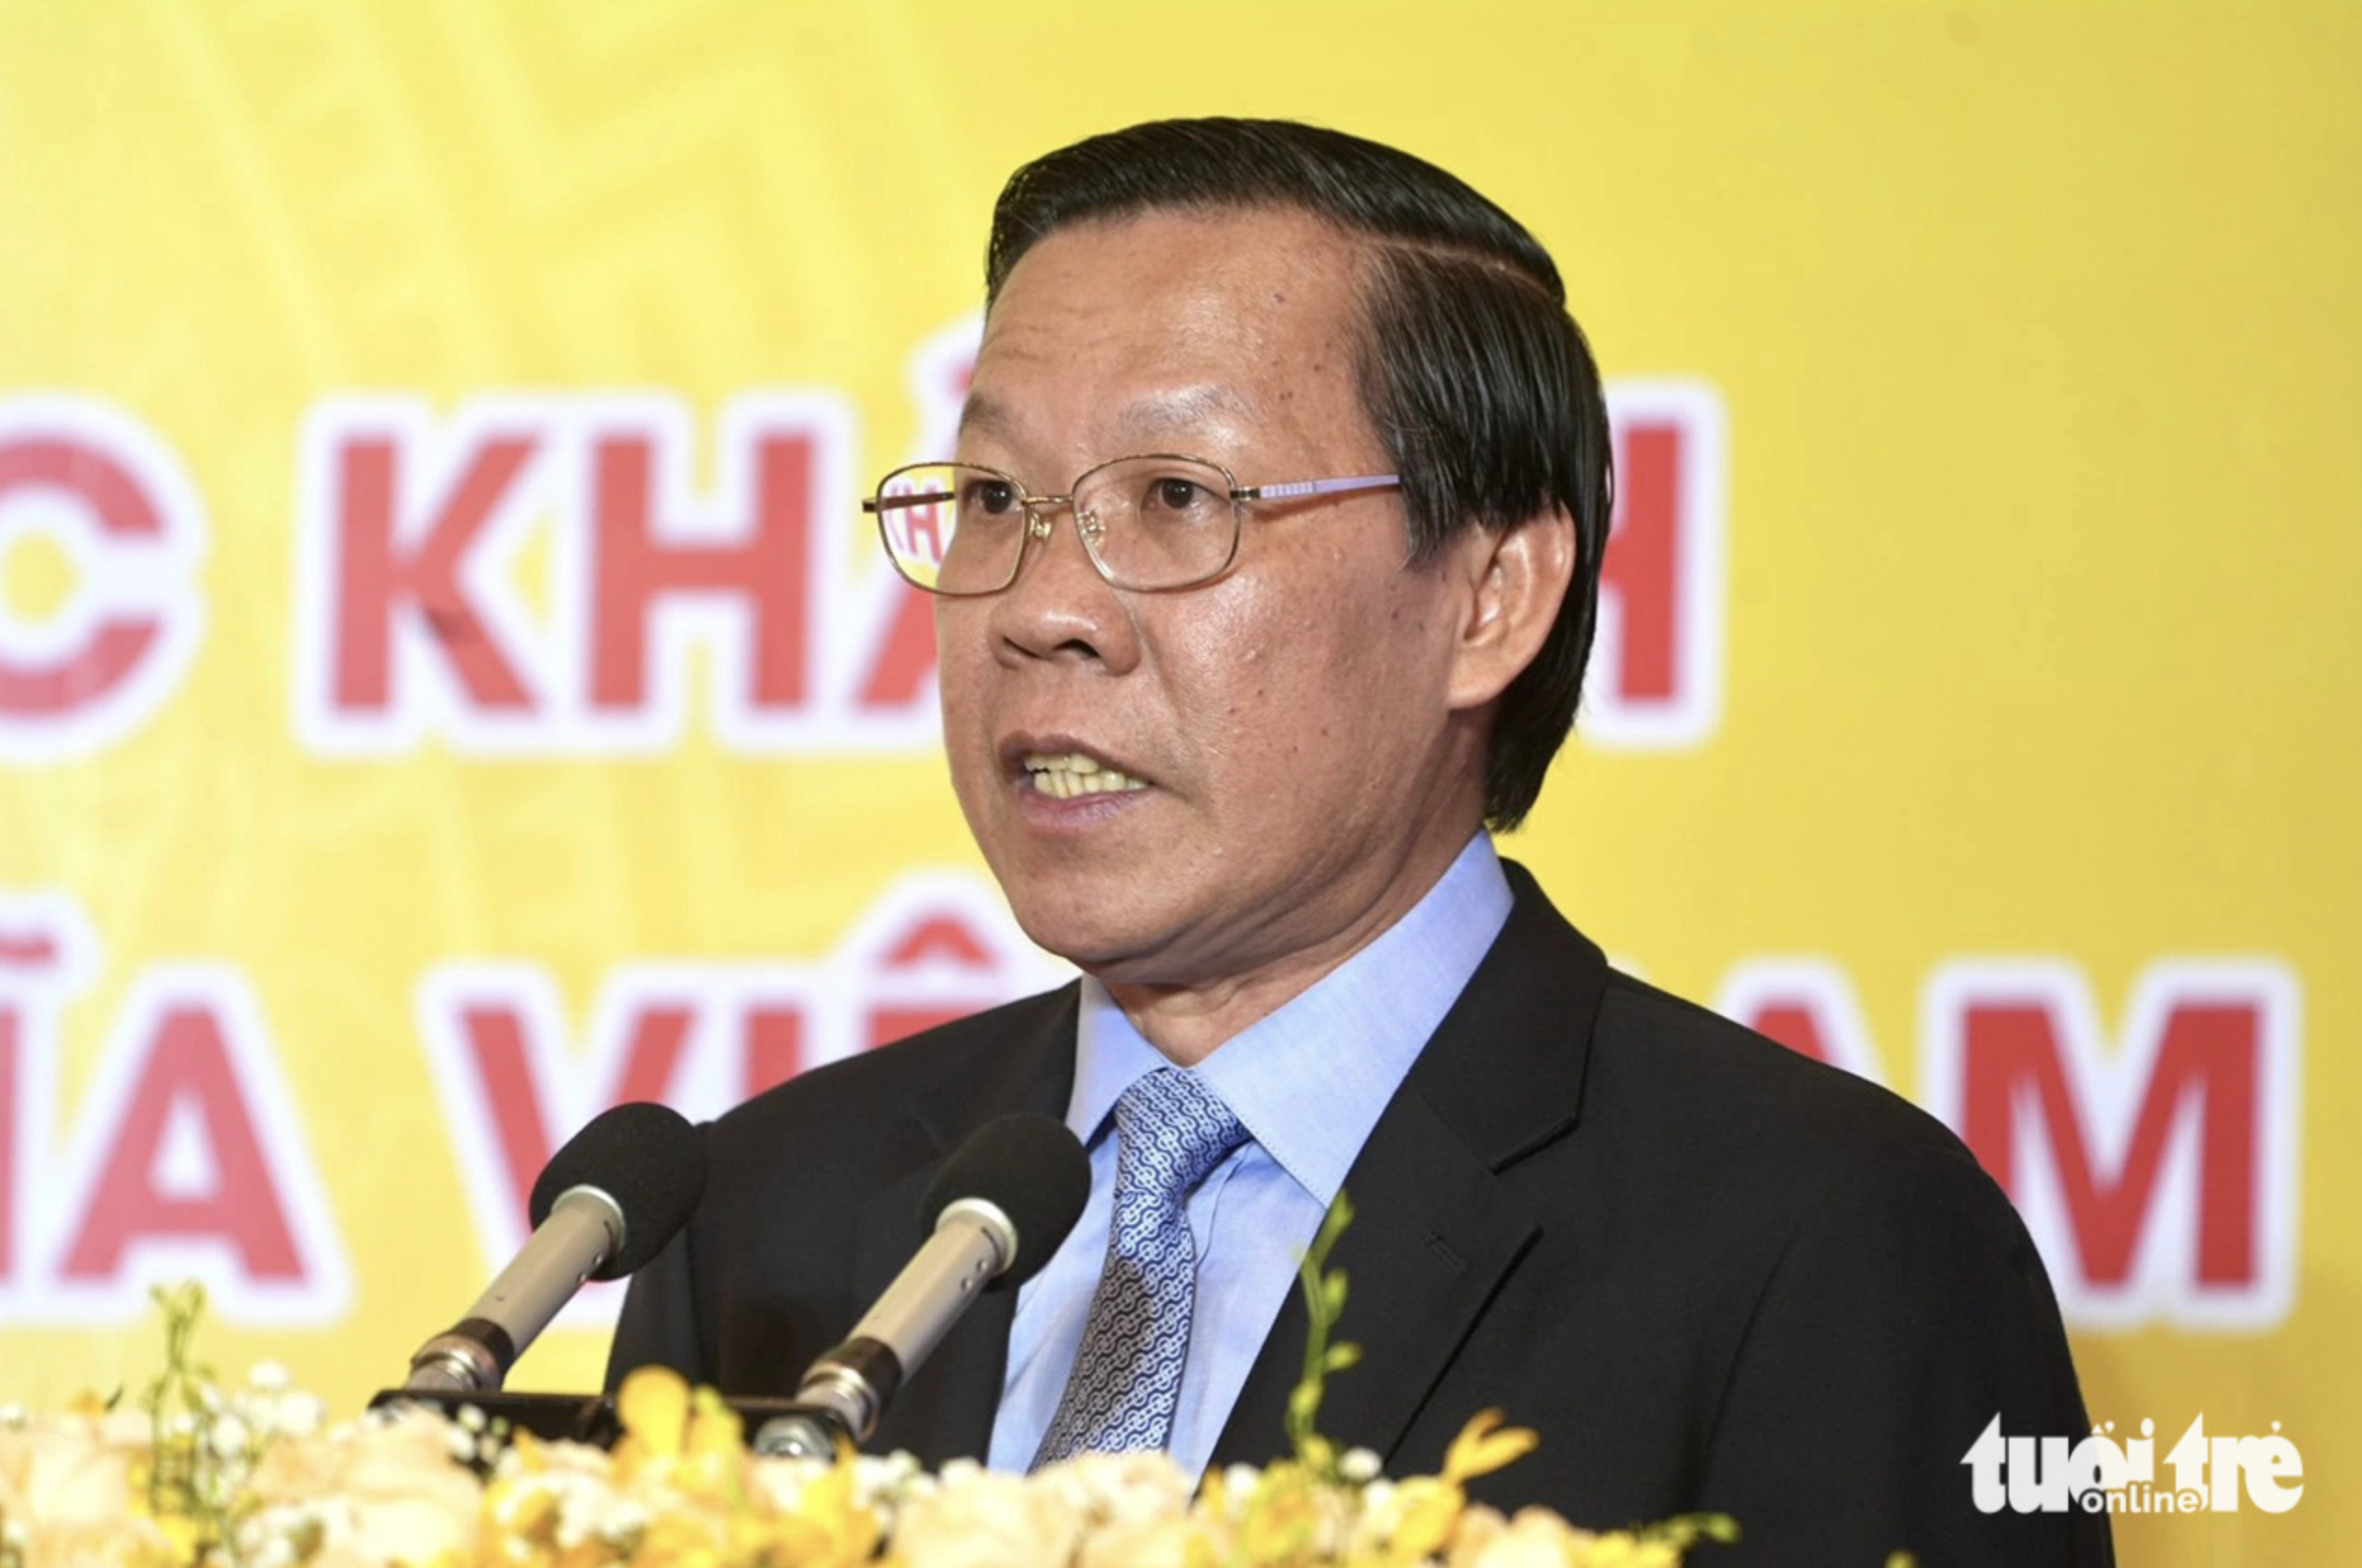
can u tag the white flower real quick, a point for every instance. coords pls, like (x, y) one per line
(986, 1520)
(294, 1414)
(65, 1491)
(379, 1493)
(1148, 1543)
(782, 1482)
(229, 1435)
(1119, 1487)
(63, 1471)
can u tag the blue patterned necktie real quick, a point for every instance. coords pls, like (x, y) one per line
(1127, 1374)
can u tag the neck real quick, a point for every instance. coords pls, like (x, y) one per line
(1186, 1022)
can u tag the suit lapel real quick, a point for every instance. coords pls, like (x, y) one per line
(1430, 1241)
(945, 1409)
(1435, 1231)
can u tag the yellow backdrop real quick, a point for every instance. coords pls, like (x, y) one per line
(444, 684)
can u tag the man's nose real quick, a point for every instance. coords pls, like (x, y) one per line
(1060, 606)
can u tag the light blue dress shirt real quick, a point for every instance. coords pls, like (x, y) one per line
(1307, 1082)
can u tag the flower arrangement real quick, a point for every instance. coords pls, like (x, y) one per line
(254, 1477)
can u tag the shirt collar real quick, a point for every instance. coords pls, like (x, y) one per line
(1309, 1081)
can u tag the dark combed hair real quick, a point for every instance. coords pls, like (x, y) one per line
(1477, 380)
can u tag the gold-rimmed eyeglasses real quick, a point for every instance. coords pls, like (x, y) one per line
(1149, 523)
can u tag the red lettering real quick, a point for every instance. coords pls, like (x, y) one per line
(940, 939)
(82, 470)
(906, 658)
(503, 1060)
(2157, 1173)
(378, 577)
(1794, 1026)
(890, 1023)
(2013, 1055)
(115, 649)
(45, 945)
(187, 1074)
(1658, 678)
(113, 490)
(409, 533)
(1638, 570)
(637, 565)
(774, 1047)
(36, 949)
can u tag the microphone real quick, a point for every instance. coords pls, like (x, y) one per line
(1002, 1204)
(605, 1204)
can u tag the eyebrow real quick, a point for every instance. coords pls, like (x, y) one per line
(1179, 410)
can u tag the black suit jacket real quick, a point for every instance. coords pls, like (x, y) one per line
(1712, 1274)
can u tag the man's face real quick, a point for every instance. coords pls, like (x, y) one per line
(1295, 772)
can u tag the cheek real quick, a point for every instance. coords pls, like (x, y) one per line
(959, 642)
(1279, 679)
(1246, 670)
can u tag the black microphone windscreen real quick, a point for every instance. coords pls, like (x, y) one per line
(1033, 1170)
(644, 1156)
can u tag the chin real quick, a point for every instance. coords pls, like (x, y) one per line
(1085, 944)
(1098, 931)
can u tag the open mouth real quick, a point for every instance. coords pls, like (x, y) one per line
(1069, 774)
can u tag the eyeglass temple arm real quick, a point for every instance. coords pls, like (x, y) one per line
(1293, 490)
(1297, 490)
(874, 504)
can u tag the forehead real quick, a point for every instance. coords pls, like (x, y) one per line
(1240, 324)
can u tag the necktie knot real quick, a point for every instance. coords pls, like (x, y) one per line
(1173, 1129)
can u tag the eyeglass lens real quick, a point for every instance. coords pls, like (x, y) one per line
(1148, 522)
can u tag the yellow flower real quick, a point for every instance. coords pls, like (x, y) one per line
(1485, 1445)
(130, 1490)
(1423, 1516)
(714, 1428)
(678, 1540)
(653, 1405)
(831, 1524)
(677, 1440)
(1621, 1549)
(1430, 1509)
(1291, 1517)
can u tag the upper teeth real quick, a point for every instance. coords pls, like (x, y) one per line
(1068, 774)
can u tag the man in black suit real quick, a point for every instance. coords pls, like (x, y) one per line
(1233, 747)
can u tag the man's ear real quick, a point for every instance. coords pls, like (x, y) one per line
(1517, 581)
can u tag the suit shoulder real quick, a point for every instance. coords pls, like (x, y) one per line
(864, 1088)
(1719, 1089)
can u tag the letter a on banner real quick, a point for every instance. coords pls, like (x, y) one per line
(190, 1161)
